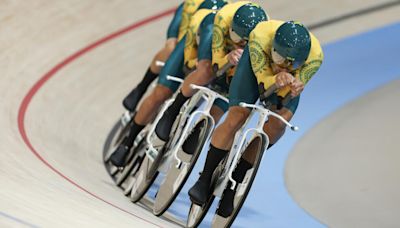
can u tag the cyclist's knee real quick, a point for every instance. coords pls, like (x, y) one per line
(170, 45)
(216, 112)
(277, 124)
(250, 154)
(205, 69)
(274, 128)
(236, 117)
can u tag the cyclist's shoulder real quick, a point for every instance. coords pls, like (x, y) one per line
(261, 37)
(199, 16)
(191, 6)
(229, 9)
(316, 52)
(265, 30)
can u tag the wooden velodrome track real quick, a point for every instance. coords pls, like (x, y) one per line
(61, 91)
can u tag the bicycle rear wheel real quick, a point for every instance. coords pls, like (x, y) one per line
(117, 133)
(114, 139)
(133, 165)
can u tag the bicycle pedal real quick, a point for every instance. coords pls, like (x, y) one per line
(126, 118)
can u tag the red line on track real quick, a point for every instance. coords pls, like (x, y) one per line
(39, 84)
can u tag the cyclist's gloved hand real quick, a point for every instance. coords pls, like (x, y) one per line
(296, 87)
(286, 79)
(234, 56)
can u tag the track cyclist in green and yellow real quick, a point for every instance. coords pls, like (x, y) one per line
(231, 29)
(196, 11)
(282, 56)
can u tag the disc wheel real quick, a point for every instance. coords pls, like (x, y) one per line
(118, 132)
(243, 189)
(134, 160)
(177, 176)
(114, 139)
(119, 175)
(196, 212)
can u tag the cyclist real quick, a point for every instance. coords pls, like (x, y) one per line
(232, 26)
(165, 88)
(282, 53)
(176, 31)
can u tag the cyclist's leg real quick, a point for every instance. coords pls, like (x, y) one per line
(243, 88)
(218, 110)
(148, 110)
(132, 99)
(225, 208)
(165, 87)
(150, 105)
(274, 127)
(202, 75)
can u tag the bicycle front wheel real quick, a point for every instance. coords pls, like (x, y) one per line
(177, 176)
(243, 189)
(147, 173)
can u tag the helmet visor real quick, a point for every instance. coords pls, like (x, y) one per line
(236, 38)
(283, 62)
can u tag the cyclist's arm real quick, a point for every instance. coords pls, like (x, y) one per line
(313, 63)
(206, 37)
(191, 48)
(261, 65)
(220, 32)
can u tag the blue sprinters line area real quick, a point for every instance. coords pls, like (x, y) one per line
(17, 220)
(352, 67)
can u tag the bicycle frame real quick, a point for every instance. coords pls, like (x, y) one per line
(241, 141)
(152, 152)
(209, 97)
(186, 122)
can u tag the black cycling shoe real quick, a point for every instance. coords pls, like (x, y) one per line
(225, 207)
(164, 126)
(189, 146)
(199, 193)
(119, 156)
(131, 101)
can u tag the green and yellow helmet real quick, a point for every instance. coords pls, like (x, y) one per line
(293, 42)
(212, 4)
(246, 19)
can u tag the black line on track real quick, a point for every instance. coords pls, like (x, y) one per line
(353, 14)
